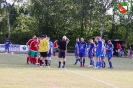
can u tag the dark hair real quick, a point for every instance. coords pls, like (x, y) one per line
(44, 36)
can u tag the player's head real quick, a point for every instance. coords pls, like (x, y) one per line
(82, 39)
(48, 38)
(109, 41)
(43, 36)
(56, 40)
(35, 39)
(77, 39)
(33, 36)
(91, 40)
(64, 38)
(98, 38)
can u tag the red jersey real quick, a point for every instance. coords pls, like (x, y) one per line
(118, 46)
(55, 44)
(34, 46)
(29, 42)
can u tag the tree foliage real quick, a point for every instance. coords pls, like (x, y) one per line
(73, 18)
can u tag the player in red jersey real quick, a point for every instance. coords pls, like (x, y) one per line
(29, 59)
(119, 49)
(55, 47)
(34, 50)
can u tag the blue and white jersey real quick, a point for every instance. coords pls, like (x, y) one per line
(110, 48)
(76, 49)
(99, 46)
(51, 47)
(82, 47)
(103, 48)
(90, 47)
(7, 43)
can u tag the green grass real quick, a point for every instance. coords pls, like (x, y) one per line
(15, 73)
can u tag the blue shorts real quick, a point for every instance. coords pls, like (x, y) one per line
(81, 55)
(90, 54)
(98, 54)
(110, 55)
(102, 56)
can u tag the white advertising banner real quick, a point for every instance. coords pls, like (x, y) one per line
(2, 47)
(23, 48)
(14, 47)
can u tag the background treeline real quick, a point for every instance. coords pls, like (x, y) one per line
(73, 18)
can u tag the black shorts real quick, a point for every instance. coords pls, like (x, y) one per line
(43, 54)
(62, 54)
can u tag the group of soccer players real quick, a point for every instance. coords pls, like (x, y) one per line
(97, 48)
(40, 51)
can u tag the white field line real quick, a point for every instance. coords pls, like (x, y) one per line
(86, 76)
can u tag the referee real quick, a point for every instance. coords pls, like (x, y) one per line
(62, 46)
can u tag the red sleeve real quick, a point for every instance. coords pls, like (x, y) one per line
(29, 42)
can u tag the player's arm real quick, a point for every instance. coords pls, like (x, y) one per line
(58, 45)
(47, 44)
(67, 40)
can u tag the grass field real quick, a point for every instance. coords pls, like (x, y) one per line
(15, 73)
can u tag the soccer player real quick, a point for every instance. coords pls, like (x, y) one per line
(50, 51)
(7, 45)
(119, 49)
(62, 46)
(29, 59)
(91, 52)
(43, 49)
(82, 51)
(55, 47)
(103, 53)
(34, 50)
(98, 51)
(109, 49)
(76, 51)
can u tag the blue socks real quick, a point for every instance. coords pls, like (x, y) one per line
(77, 61)
(83, 62)
(110, 64)
(98, 64)
(92, 62)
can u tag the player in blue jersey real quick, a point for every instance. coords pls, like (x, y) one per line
(7, 45)
(103, 53)
(82, 50)
(91, 52)
(109, 49)
(76, 50)
(98, 51)
(50, 51)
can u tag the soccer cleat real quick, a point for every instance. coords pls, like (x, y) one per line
(83, 66)
(96, 67)
(63, 66)
(74, 64)
(103, 67)
(90, 66)
(110, 67)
